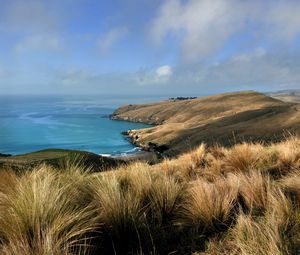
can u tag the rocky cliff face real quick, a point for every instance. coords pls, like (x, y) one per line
(223, 119)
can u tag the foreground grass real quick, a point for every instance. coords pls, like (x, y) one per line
(242, 200)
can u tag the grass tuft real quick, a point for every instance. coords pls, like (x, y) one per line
(240, 200)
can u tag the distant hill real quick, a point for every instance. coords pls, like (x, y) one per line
(225, 119)
(287, 95)
(57, 158)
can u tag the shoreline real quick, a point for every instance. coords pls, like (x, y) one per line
(133, 137)
(136, 151)
(151, 150)
(142, 153)
(148, 156)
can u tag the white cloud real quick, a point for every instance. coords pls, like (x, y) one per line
(76, 77)
(112, 37)
(34, 23)
(255, 70)
(283, 19)
(164, 71)
(258, 70)
(39, 42)
(158, 76)
(246, 57)
(202, 27)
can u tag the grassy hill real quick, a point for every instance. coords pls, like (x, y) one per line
(213, 200)
(224, 119)
(57, 158)
(287, 95)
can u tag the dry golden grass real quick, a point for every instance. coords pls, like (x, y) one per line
(291, 184)
(275, 233)
(254, 189)
(242, 157)
(8, 181)
(255, 237)
(240, 200)
(194, 160)
(41, 215)
(183, 123)
(209, 206)
(165, 199)
(288, 154)
(120, 212)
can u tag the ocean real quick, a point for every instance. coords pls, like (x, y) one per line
(31, 123)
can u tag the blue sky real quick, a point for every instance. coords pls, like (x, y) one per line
(148, 46)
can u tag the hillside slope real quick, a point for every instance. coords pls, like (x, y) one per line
(242, 200)
(57, 158)
(225, 119)
(287, 95)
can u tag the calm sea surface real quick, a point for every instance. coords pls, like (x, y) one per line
(30, 123)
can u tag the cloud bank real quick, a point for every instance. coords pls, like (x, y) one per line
(178, 46)
(106, 42)
(203, 26)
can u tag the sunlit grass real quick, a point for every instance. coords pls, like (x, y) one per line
(239, 200)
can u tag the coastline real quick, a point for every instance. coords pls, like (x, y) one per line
(134, 138)
(142, 154)
(224, 119)
(147, 156)
(150, 152)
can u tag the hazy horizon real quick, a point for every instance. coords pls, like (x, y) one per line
(167, 95)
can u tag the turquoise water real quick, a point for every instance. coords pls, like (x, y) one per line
(30, 123)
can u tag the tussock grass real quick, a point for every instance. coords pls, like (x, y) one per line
(288, 154)
(209, 206)
(194, 160)
(291, 184)
(254, 190)
(240, 200)
(40, 215)
(8, 181)
(165, 199)
(243, 157)
(120, 212)
(251, 236)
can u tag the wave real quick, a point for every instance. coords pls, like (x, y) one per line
(105, 155)
(134, 150)
(128, 152)
(48, 120)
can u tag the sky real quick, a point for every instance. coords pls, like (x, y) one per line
(126, 47)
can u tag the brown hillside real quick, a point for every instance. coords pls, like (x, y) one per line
(224, 119)
(287, 96)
